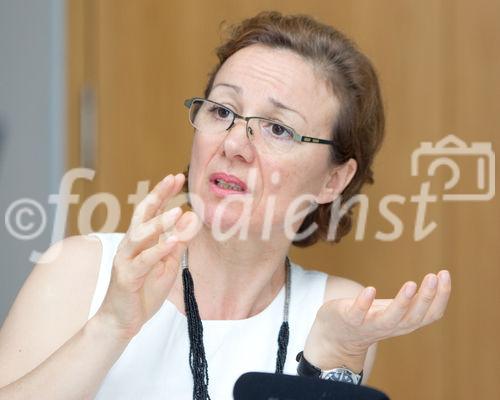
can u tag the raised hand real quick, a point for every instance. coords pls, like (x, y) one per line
(146, 263)
(345, 328)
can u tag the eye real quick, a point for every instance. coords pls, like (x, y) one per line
(277, 131)
(220, 112)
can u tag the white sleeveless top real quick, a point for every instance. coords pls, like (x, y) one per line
(155, 364)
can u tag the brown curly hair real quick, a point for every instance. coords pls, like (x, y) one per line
(359, 127)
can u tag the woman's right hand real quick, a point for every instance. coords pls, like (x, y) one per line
(145, 265)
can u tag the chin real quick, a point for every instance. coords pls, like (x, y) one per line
(231, 217)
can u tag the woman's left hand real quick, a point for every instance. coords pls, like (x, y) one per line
(344, 329)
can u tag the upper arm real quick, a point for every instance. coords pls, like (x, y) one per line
(339, 288)
(51, 307)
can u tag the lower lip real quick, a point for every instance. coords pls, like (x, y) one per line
(223, 192)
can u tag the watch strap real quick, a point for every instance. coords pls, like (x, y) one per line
(305, 368)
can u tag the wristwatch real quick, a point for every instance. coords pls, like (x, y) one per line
(341, 374)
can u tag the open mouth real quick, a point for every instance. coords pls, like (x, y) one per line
(223, 184)
(228, 185)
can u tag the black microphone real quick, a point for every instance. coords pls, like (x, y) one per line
(267, 386)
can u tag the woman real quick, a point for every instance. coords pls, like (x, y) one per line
(114, 325)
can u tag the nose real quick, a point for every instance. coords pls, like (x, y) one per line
(237, 142)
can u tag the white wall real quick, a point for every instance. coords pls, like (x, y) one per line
(32, 69)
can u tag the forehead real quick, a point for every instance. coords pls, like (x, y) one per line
(264, 74)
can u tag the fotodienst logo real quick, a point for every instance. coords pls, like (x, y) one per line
(470, 172)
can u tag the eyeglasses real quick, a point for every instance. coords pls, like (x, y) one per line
(213, 118)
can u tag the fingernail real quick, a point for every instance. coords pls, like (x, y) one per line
(368, 292)
(171, 239)
(432, 281)
(410, 289)
(174, 211)
(167, 178)
(182, 225)
(445, 276)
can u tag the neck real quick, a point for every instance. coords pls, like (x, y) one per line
(235, 279)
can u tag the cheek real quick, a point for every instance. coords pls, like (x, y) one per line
(298, 181)
(281, 185)
(275, 178)
(198, 149)
(201, 153)
(291, 178)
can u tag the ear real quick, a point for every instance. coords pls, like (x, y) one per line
(336, 181)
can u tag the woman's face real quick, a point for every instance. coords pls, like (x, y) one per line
(260, 81)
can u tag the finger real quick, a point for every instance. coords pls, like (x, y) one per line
(179, 180)
(380, 305)
(147, 234)
(421, 302)
(438, 306)
(398, 307)
(172, 261)
(150, 204)
(165, 197)
(151, 200)
(148, 258)
(161, 279)
(357, 312)
(187, 226)
(147, 208)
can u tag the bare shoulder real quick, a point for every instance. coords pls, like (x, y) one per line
(65, 276)
(338, 287)
(51, 306)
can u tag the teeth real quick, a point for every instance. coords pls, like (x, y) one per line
(226, 185)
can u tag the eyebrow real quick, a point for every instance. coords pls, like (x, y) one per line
(277, 104)
(273, 101)
(237, 89)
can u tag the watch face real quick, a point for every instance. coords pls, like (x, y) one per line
(339, 375)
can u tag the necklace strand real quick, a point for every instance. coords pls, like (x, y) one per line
(197, 359)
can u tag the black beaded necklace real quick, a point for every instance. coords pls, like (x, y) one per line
(197, 359)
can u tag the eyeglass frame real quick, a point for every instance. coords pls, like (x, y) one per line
(295, 136)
